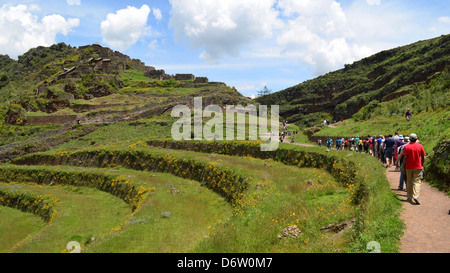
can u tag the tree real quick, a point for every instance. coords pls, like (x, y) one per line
(265, 91)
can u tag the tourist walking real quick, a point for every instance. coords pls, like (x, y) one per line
(389, 146)
(356, 143)
(366, 145)
(414, 154)
(338, 143)
(401, 163)
(374, 146)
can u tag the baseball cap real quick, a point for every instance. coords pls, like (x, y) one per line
(413, 136)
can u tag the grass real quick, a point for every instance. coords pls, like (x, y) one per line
(279, 196)
(150, 232)
(143, 231)
(81, 216)
(16, 227)
(272, 204)
(119, 134)
(10, 134)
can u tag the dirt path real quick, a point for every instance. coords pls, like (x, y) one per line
(288, 140)
(428, 224)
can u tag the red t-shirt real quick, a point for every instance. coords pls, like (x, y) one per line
(414, 152)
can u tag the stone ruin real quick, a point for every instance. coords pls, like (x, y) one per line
(158, 74)
(201, 80)
(109, 61)
(184, 77)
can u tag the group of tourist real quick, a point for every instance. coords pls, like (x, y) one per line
(403, 152)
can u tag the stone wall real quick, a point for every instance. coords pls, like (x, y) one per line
(184, 77)
(157, 74)
(201, 80)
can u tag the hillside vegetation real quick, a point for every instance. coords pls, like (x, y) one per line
(430, 103)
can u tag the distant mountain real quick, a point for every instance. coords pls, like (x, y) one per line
(382, 77)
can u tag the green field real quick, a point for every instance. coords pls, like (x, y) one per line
(196, 200)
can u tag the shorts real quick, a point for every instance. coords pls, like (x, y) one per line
(389, 153)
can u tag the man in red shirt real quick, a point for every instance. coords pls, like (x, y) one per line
(415, 158)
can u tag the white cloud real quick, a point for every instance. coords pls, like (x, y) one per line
(122, 29)
(319, 34)
(157, 13)
(223, 28)
(316, 32)
(323, 34)
(74, 2)
(21, 30)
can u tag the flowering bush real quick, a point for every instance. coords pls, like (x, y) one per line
(343, 170)
(117, 186)
(224, 181)
(42, 206)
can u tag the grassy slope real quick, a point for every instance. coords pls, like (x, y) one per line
(429, 103)
(83, 213)
(16, 227)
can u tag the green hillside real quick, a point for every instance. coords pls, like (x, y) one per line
(87, 156)
(382, 77)
(430, 104)
(94, 82)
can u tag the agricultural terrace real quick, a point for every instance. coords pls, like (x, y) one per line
(127, 187)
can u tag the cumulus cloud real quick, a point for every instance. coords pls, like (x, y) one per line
(21, 30)
(319, 34)
(122, 29)
(222, 28)
(316, 32)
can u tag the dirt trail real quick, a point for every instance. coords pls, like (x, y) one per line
(288, 140)
(428, 224)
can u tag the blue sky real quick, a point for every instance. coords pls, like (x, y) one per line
(247, 44)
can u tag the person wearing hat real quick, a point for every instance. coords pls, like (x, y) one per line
(414, 154)
(400, 162)
(398, 144)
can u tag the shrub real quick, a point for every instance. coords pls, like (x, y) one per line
(117, 186)
(42, 206)
(224, 181)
